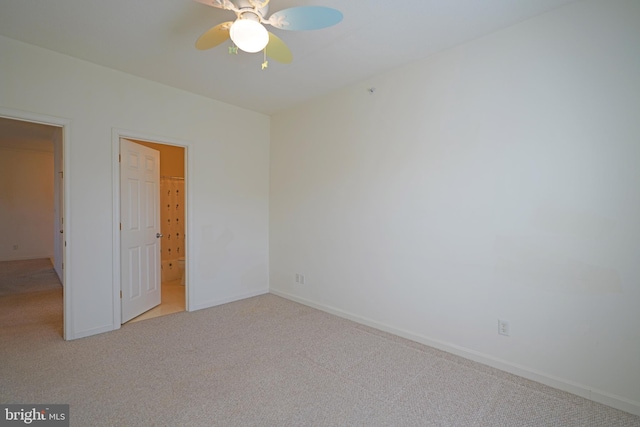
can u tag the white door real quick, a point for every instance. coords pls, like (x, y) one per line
(140, 228)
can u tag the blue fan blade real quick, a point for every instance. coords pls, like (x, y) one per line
(305, 18)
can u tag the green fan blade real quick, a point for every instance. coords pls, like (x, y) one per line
(278, 50)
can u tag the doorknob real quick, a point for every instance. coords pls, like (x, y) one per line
(158, 235)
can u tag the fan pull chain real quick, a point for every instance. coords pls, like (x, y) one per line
(265, 64)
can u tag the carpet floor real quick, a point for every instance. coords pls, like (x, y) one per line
(263, 361)
(25, 276)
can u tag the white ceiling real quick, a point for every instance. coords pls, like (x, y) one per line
(154, 39)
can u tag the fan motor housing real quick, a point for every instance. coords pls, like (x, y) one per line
(246, 8)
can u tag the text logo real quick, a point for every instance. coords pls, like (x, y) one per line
(39, 415)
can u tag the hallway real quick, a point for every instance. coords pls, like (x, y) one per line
(33, 287)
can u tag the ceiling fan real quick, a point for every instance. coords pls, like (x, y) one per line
(248, 33)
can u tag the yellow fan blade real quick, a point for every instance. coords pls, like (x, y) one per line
(277, 50)
(214, 36)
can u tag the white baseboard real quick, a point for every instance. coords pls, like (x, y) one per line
(522, 371)
(213, 303)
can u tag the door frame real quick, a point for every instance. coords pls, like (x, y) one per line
(116, 134)
(65, 126)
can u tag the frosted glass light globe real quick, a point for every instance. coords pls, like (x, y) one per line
(250, 36)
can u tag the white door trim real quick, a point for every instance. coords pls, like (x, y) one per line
(116, 134)
(65, 124)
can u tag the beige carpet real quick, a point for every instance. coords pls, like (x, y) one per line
(264, 361)
(30, 275)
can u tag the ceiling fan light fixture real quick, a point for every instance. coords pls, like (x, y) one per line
(249, 35)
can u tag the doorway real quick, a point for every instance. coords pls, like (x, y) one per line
(169, 206)
(32, 216)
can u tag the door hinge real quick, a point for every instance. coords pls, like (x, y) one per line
(120, 226)
(120, 294)
(63, 265)
(119, 158)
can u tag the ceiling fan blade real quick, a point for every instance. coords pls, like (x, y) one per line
(305, 18)
(220, 4)
(278, 50)
(214, 36)
(258, 4)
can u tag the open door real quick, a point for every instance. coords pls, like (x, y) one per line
(140, 229)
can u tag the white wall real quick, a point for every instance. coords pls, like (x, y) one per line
(228, 171)
(26, 203)
(499, 179)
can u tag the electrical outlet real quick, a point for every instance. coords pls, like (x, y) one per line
(503, 327)
(302, 279)
(297, 277)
